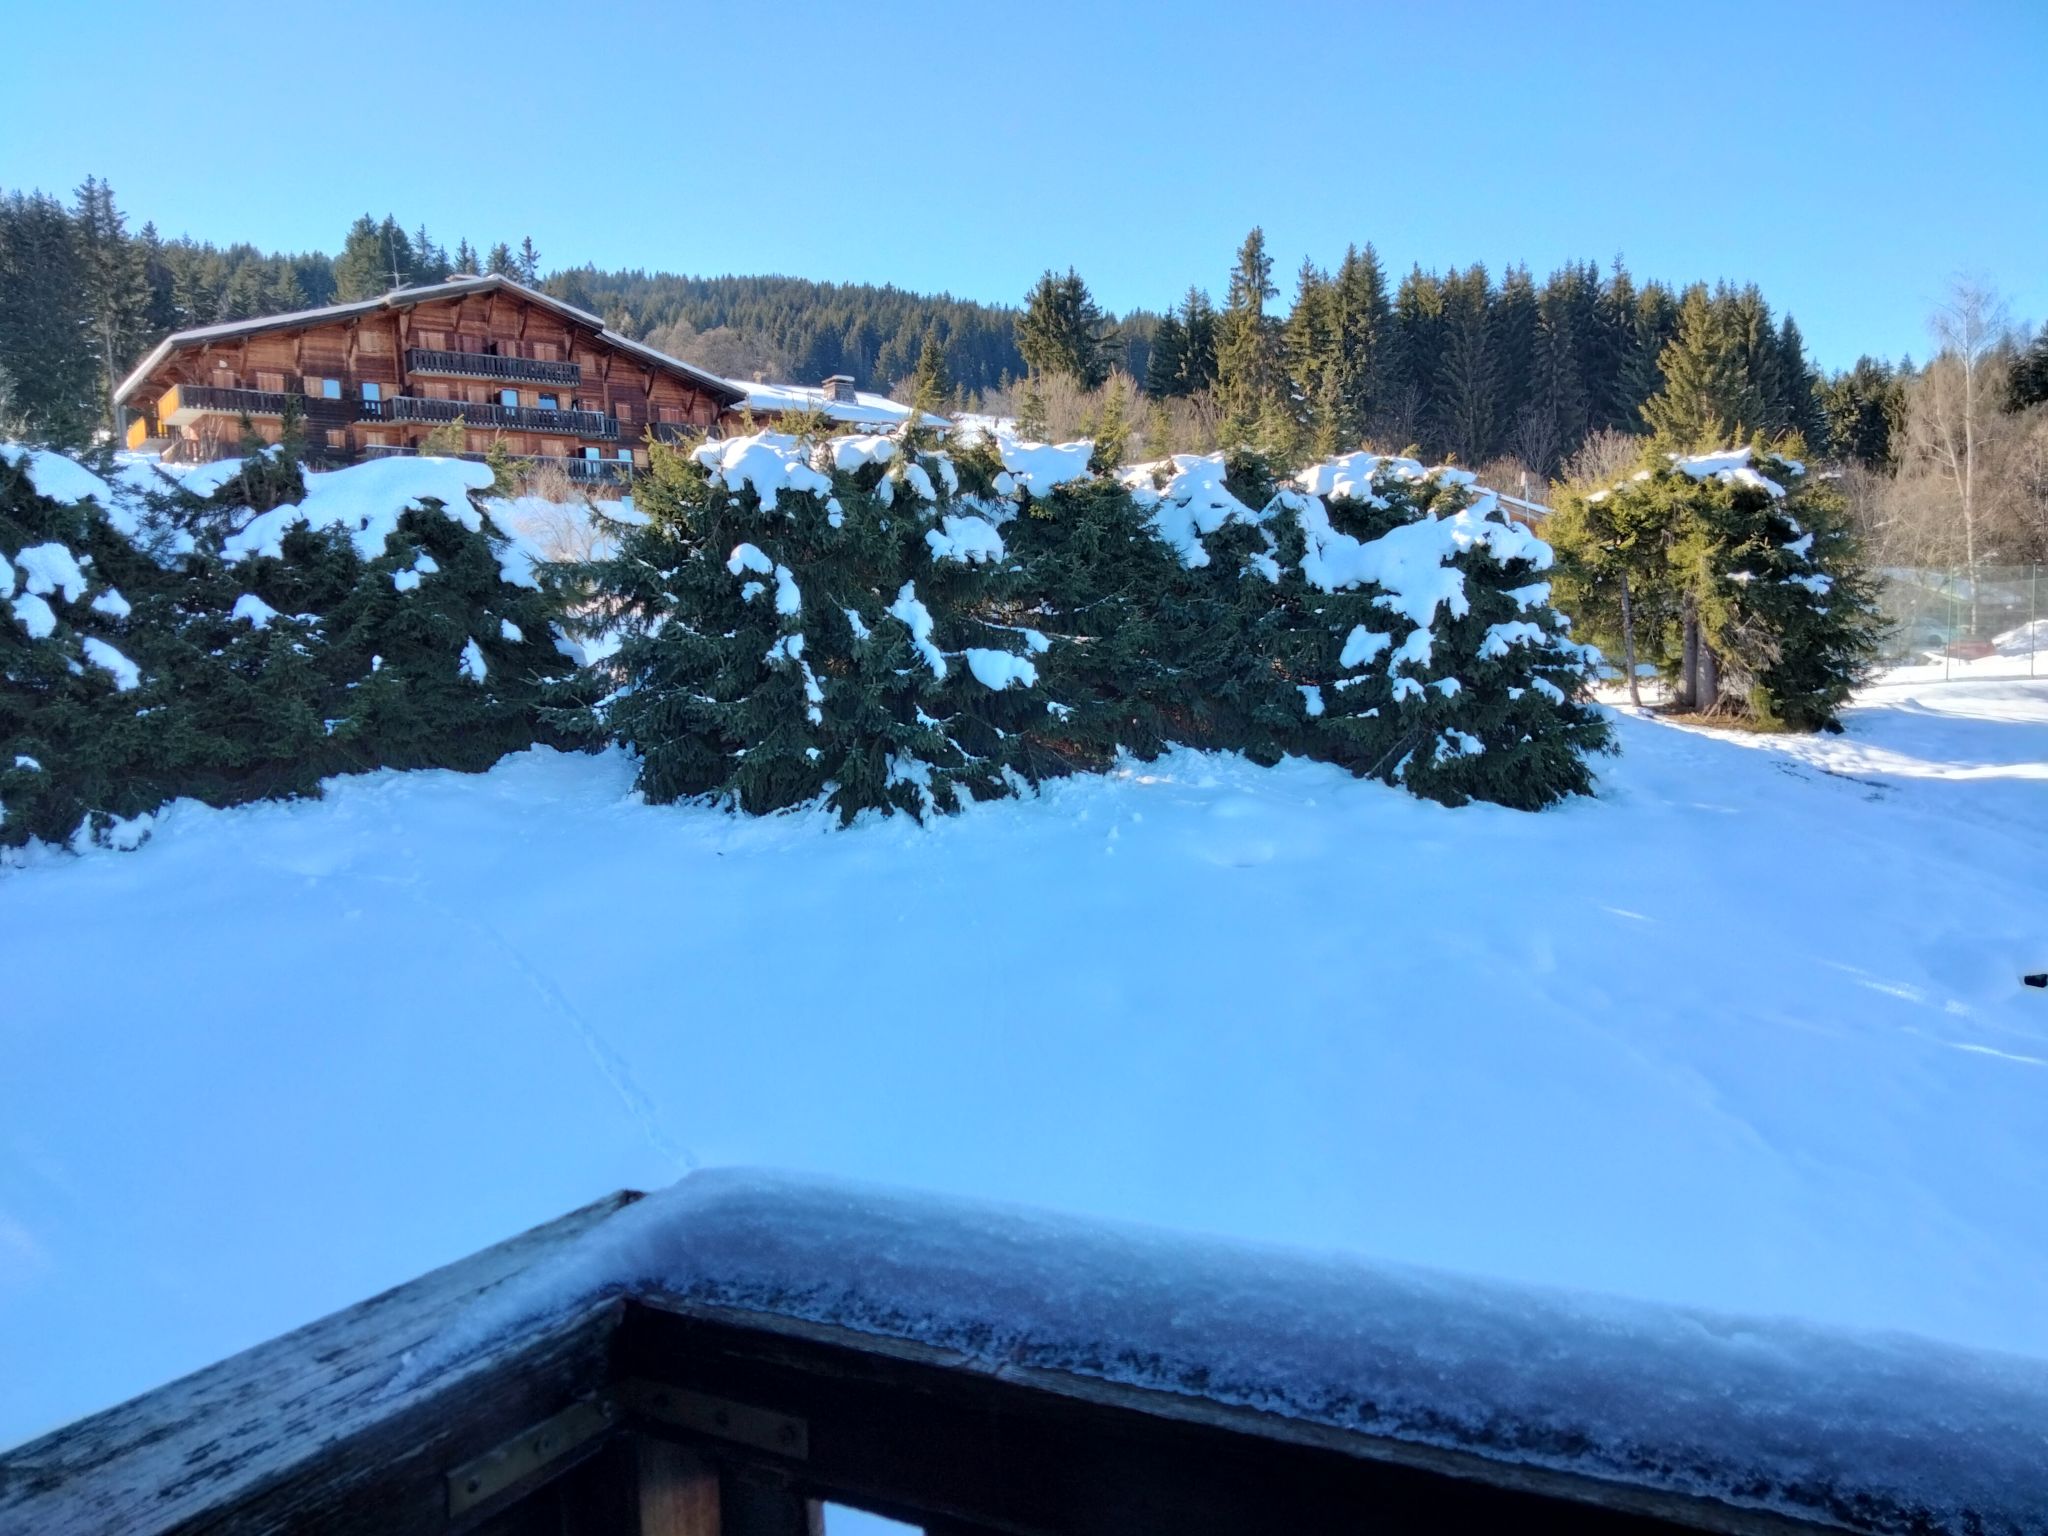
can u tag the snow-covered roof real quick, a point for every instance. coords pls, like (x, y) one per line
(864, 409)
(1761, 1414)
(406, 298)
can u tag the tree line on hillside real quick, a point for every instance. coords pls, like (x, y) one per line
(1459, 365)
(1502, 372)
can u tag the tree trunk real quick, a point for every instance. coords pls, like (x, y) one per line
(1707, 699)
(1689, 660)
(1628, 644)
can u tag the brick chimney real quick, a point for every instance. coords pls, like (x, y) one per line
(840, 387)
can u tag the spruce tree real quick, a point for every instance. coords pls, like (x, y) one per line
(46, 316)
(1363, 318)
(1250, 377)
(795, 634)
(1708, 397)
(1062, 332)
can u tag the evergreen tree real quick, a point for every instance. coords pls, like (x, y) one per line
(1709, 397)
(1416, 344)
(362, 270)
(1741, 580)
(2027, 384)
(1865, 411)
(1467, 388)
(1363, 319)
(829, 640)
(501, 262)
(465, 258)
(116, 287)
(1250, 376)
(1167, 364)
(1314, 362)
(529, 263)
(1062, 332)
(46, 321)
(930, 383)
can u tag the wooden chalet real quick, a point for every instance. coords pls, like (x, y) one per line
(724, 1411)
(547, 380)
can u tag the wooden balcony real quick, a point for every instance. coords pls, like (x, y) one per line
(714, 1406)
(184, 404)
(488, 365)
(518, 418)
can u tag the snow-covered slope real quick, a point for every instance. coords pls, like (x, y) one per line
(1745, 1032)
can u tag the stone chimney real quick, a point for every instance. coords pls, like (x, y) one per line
(840, 387)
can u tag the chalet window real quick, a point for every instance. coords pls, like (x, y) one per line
(269, 379)
(551, 402)
(625, 455)
(330, 389)
(372, 390)
(508, 397)
(593, 453)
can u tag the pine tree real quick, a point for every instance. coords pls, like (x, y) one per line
(1363, 319)
(1468, 381)
(501, 262)
(1311, 346)
(930, 382)
(1250, 376)
(1062, 332)
(1167, 364)
(46, 320)
(363, 269)
(1709, 398)
(1744, 585)
(465, 258)
(529, 263)
(826, 642)
(116, 287)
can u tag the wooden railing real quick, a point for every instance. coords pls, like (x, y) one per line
(490, 365)
(660, 1413)
(184, 401)
(523, 418)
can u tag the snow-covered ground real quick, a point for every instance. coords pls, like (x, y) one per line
(1748, 1031)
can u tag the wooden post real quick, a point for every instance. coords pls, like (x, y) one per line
(678, 1491)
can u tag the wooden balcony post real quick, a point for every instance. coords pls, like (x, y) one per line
(678, 1490)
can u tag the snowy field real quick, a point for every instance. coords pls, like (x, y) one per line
(1747, 1031)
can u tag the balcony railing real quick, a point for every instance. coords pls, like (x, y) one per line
(522, 418)
(184, 403)
(486, 365)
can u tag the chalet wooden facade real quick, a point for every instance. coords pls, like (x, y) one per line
(546, 380)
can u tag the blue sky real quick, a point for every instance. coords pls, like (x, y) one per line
(1849, 158)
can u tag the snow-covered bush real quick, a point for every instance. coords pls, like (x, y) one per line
(859, 622)
(159, 640)
(1735, 574)
(801, 621)
(1370, 613)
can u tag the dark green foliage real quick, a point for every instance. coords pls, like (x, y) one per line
(258, 677)
(1063, 332)
(1770, 590)
(815, 649)
(1864, 414)
(46, 323)
(2028, 384)
(1242, 650)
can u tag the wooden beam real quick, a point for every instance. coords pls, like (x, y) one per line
(678, 1490)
